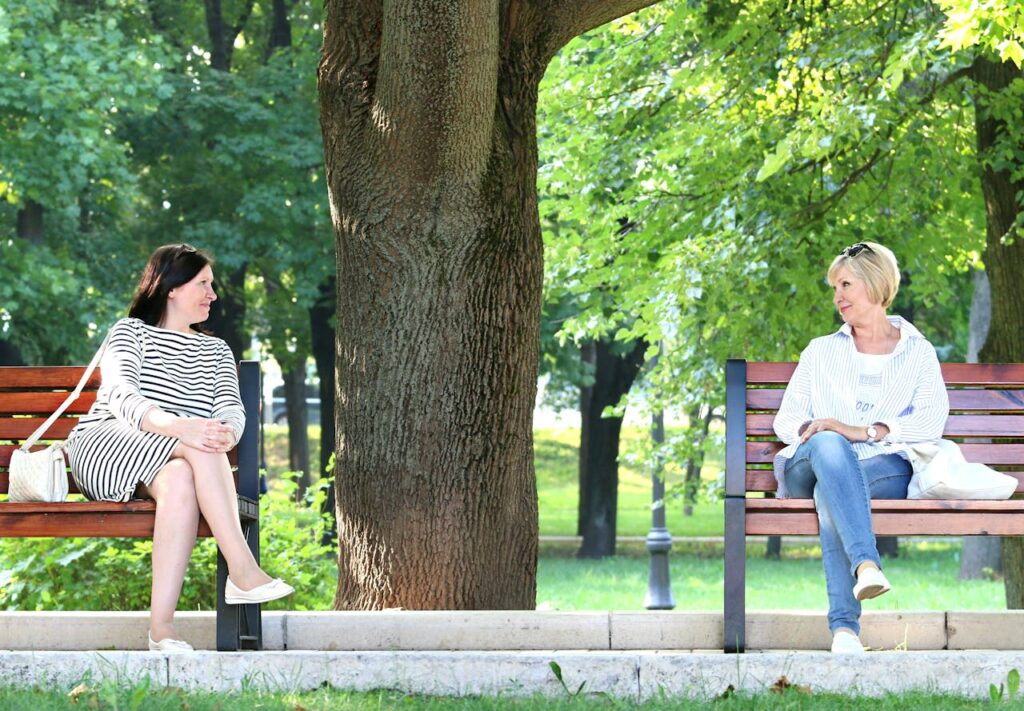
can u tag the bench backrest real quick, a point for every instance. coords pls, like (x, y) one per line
(29, 395)
(986, 402)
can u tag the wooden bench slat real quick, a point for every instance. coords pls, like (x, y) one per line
(764, 480)
(43, 403)
(986, 453)
(76, 525)
(918, 507)
(20, 428)
(892, 524)
(60, 376)
(968, 400)
(760, 425)
(995, 374)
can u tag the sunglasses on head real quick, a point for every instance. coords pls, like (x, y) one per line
(854, 249)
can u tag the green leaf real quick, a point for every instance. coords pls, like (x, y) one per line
(774, 162)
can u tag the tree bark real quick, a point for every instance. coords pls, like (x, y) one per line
(298, 424)
(1004, 263)
(599, 444)
(322, 342)
(428, 110)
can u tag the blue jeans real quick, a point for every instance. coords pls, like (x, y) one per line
(826, 468)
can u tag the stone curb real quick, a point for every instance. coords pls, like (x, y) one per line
(628, 675)
(520, 630)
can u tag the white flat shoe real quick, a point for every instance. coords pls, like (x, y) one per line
(169, 645)
(870, 583)
(275, 589)
(846, 643)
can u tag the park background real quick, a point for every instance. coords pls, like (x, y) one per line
(699, 164)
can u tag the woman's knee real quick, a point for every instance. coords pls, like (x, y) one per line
(828, 444)
(175, 482)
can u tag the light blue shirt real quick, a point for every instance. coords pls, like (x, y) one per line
(913, 403)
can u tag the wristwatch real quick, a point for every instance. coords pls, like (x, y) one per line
(872, 433)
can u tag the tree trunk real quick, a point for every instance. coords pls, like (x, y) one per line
(322, 340)
(298, 424)
(1004, 263)
(280, 28)
(227, 316)
(439, 283)
(599, 444)
(695, 463)
(980, 556)
(30, 222)
(428, 110)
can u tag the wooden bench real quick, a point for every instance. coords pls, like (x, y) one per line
(986, 416)
(28, 395)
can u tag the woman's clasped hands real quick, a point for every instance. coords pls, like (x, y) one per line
(205, 435)
(829, 424)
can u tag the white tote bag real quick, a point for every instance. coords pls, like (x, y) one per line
(40, 476)
(941, 472)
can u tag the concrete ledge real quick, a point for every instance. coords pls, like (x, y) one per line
(986, 630)
(444, 630)
(628, 675)
(520, 630)
(75, 631)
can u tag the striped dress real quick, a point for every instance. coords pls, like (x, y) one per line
(143, 366)
(913, 403)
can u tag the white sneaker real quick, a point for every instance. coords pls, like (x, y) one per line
(870, 583)
(846, 642)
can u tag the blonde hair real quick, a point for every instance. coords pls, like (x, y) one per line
(873, 264)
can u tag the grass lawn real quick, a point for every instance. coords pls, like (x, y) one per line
(141, 698)
(924, 577)
(555, 459)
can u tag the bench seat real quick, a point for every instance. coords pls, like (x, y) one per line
(986, 419)
(29, 394)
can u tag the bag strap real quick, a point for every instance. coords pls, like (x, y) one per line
(70, 399)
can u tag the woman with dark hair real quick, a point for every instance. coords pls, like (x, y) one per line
(166, 414)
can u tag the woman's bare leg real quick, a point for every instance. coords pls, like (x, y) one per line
(218, 502)
(174, 537)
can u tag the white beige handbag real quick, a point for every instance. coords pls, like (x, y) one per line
(41, 475)
(942, 472)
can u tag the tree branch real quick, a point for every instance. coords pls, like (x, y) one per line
(562, 20)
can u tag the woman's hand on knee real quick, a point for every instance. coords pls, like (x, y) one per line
(829, 424)
(205, 435)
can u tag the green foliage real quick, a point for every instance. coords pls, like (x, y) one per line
(744, 149)
(73, 75)
(994, 26)
(114, 573)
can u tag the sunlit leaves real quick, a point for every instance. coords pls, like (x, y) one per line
(996, 26)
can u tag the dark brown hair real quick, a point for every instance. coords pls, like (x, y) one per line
(170, 267)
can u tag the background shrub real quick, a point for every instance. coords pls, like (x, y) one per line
(115, 573)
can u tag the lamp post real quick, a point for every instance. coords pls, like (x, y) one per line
(659, 540)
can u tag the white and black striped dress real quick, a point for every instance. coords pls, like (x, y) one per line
(189, 375)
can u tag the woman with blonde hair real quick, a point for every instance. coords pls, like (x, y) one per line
(857, 399)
